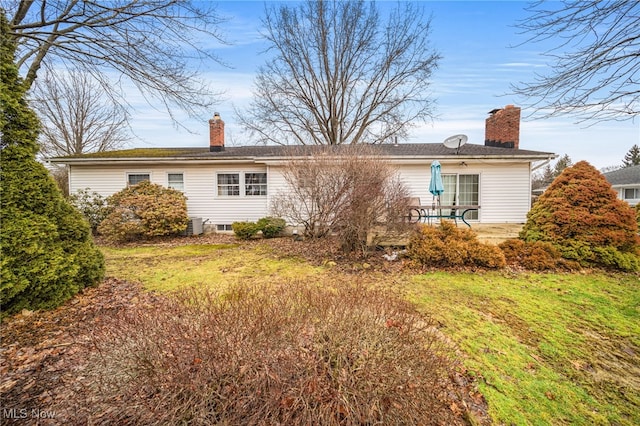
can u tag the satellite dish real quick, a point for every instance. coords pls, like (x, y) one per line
(455, 141)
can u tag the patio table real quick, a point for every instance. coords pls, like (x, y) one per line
(425, 213)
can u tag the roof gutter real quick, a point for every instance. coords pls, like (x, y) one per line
(147, 160)
(545, 157)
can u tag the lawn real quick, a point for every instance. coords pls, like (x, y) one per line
(544, 348)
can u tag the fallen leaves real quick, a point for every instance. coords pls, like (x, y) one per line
(43, 352)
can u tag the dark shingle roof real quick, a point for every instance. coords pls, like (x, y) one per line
(625, 176)
(417, 149)
(256, 152)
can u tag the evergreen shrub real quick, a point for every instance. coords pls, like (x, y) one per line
(144, 210)
(271, 226)
(582, 217)
(449, 246)
(535, 256)
(47, 254)
(245, 230)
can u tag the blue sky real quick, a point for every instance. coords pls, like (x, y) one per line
(481, 56)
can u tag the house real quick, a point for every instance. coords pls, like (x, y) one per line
(227, 184)
(626, 182)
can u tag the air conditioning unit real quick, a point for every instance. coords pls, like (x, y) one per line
(194, 227)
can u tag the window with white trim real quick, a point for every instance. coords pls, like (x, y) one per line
(255, 184)
(228, 184)
(136, 178)
(175, 181)
(631, 193)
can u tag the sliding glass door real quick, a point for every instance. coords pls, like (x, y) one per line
(461, 190)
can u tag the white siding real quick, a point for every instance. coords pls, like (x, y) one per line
(105, 181)
(199, 187)
(416, 177)
(504, 187)
(505, 193)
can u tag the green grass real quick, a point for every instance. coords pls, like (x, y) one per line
(546, 348)
(219, 265)
(549, 349)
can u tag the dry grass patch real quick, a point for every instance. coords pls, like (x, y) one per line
(295, 354)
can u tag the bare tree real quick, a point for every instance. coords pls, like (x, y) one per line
(341, 74)
(344, 190)
(152, 43)
(76, 117)
(595, 65)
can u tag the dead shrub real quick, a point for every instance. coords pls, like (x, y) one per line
(295, 354)
(449, 246)
(343, 190)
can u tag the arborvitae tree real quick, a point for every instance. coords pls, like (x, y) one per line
(582, 217)
(632, 158)
(47, 251)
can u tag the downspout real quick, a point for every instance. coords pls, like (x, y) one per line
(68, 166)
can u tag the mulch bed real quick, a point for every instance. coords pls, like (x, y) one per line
(42, 353)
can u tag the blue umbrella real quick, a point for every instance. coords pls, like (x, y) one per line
(436, 187)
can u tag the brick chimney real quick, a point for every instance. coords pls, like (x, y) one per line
(502, 127)
(216, 133)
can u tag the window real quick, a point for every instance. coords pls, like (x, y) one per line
(468, 186)
(631, 193)
(136, 178)
(225, 227)
(255, 184)
(461, 190)
(175, 181)
(229, 184)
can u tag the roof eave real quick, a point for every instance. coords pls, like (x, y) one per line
(282, 159)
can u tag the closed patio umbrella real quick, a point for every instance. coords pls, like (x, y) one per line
(436, 187)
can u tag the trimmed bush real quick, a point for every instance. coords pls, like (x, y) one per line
(294, 354)
(144, 210)
(244, 230)
(449, 246)
(581, 216)
(271, 226)
(47, 254)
